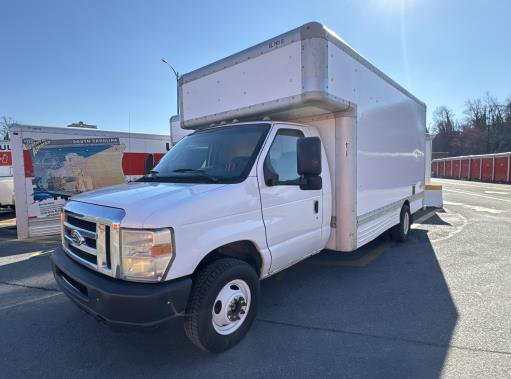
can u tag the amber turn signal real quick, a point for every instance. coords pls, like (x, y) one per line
(161, 250)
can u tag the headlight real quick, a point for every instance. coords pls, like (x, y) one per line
(146, 254)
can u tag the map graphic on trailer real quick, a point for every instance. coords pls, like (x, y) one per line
(71, 166)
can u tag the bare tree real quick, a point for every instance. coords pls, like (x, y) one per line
(489, 116)
(447, 131)
(496, 111)
(443, 120)
(5, 123)
(507, 111)
(485, 129)
(477, 113)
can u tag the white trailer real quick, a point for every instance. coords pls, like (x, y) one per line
(299, 144)
(176, 132)
(52, 164)
(6, 181)
(374, 130)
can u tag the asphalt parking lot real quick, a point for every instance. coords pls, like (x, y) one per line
(437, 305)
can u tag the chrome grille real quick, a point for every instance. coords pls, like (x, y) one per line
(92, 259)
(89, 236)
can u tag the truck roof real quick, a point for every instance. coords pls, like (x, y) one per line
(307, 31)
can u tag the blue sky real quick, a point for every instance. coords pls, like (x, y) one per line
(99, 61)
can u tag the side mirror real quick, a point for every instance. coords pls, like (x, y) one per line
(309, 163)
(309, 156)
(311, 183)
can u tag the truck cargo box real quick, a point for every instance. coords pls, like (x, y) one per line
(373, 129)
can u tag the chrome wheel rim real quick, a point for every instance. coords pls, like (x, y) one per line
(231, 307)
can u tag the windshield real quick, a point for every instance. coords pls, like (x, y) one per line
(217, 155)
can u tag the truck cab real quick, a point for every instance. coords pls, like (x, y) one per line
(253, 194)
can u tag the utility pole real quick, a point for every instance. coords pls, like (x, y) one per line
(176, 74)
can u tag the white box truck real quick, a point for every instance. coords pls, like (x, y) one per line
(6, 181)
(299, 144)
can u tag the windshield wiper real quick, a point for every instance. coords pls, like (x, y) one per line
(198, 172)
(189, 170)
(147, 177)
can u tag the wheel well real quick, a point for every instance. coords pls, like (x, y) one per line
(242, 250)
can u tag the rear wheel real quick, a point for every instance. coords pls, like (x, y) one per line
(400, 231)
(222, 305)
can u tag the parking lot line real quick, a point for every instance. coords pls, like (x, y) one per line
(471, 184)
(4, 261)
(30, 301)
(476, 194)
(363, 261)
(48, 240)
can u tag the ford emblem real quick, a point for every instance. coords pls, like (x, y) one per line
(76, 237)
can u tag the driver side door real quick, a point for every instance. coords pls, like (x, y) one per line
(292, 216)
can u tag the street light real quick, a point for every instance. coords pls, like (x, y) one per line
(176, 74)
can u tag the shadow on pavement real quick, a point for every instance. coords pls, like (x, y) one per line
(387, 316)
(7, 224)
(24, 262)
(435, 220)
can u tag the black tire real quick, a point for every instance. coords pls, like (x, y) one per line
(400, 232)
(207, 285)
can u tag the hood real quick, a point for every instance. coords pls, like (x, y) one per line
(141, 199)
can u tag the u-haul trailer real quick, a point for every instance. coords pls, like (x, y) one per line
(373, 130)
(176, 132)
(52, 164)
(326, 152)
(6, 182)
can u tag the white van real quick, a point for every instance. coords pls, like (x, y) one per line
(326, 152)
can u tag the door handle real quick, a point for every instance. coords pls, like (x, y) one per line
(316, 206)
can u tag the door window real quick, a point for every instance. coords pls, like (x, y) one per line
(282, 157)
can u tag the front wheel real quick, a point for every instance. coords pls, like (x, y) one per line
(400, 231)
(222, 305)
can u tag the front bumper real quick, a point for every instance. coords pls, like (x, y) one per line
(118, 302)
